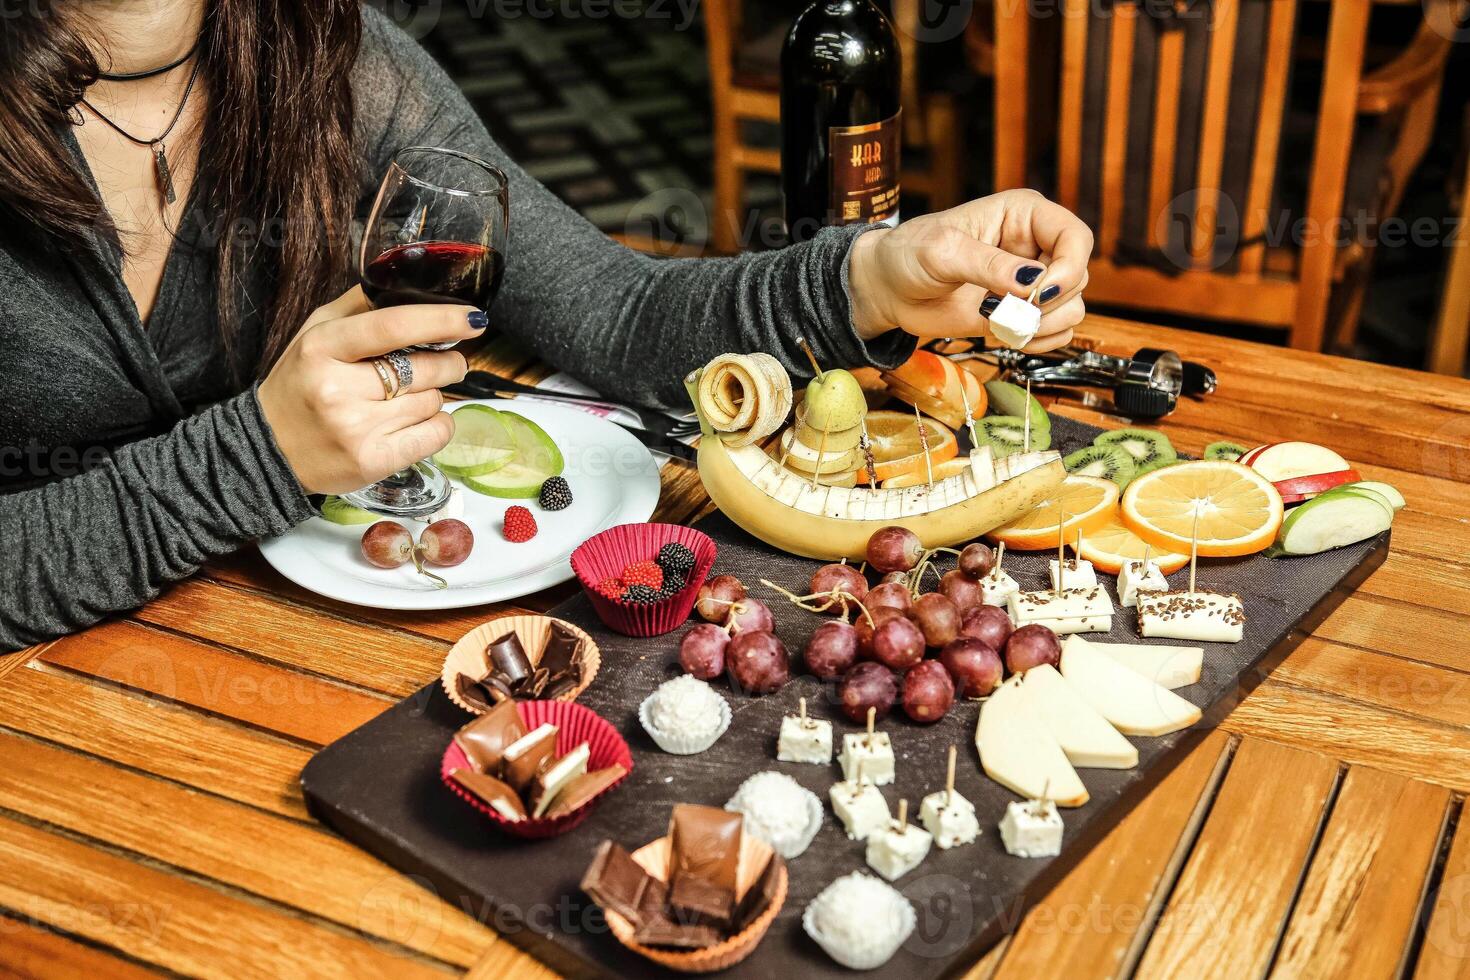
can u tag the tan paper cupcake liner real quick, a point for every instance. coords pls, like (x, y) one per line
(468, 655)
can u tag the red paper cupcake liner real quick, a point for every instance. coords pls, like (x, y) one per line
(607, 553)
(575, 725)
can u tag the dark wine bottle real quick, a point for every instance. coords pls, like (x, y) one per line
(839, 118)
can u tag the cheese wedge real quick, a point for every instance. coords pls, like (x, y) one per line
(1084, 735)
(1071, 611)
(1205, 616)
(1133, 704)
(1017, 751)
(1166, 666)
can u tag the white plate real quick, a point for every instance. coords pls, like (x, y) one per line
(614, 480)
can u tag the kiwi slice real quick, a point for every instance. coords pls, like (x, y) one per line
(1006, 434)
(339, 511)
(1109, 462)
(1149, 448)
(1008, 399)
(1157, 464)
(1228, 451)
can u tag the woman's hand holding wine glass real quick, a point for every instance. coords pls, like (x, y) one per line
(327, 404)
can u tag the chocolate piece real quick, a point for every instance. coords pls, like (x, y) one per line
(619, 884)
(758, 897)
(563, 650)
(498, 796)
(562, 685)
(508, 658)
(485, 739)
(552, 779)
(698, 901)
(531, 685)
(528, 756)
(475, 694)
(663, 930)
(580, 791)
(704, 842)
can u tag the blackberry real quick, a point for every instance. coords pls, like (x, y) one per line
(676, 560)
(555, 494)
(640, 595)
(673, 583)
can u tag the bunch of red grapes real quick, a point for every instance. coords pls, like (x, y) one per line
(902, 646)
(447, 542)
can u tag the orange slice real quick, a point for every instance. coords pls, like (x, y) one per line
(1113, 545)
(948, 468)
(1089, 503)
(897, 449)
(1240, 510)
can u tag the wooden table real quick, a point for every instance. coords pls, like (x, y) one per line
(150, 817)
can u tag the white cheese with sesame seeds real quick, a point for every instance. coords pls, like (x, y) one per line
(1087, 610)
(1137, 577)
(997, 587)
(1079, 574)
(1205, 616)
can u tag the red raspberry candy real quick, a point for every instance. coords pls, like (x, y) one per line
(519, 524)
(644, 573)
(612, 587)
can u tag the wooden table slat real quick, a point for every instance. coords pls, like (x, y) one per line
(30, 953)
(1444, 951)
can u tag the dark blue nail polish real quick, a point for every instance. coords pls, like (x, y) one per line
(1050, 293)
(479, 319)
(1028, 274)
(988, 305)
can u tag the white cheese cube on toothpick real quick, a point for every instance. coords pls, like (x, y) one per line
(1032, 829)
(804, 740)
(1079, 574)
(949, 818)
(874, 751)
(1205, 616)
(1015, 322)
(860, 807)
(1137, 577)
(1070, 611)
(997, 587)
(896, 851)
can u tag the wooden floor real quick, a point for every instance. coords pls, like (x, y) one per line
(151, 820)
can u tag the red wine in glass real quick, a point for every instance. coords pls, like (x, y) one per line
(434, 272)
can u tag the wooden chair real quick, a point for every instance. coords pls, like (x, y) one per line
(1168, 140)
(744, 87)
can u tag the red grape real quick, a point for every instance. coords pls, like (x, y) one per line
(842, 577)
(702, 651)
(890, 595)
(750, 616)
(927, 692)
(867, 685)
(974, 665)
(990, 625)
(832, 649)
(894, 549)
(757, 662)
(976, 560)
(898, 644)
(1032, 645)
(446, 542)
(387, 544)
(938, 617)
(715, 597)
(864, 631)
(900, 578)
(960, 589)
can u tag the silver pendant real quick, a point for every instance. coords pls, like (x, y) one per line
(165, 176)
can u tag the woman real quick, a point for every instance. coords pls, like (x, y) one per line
(177, 376)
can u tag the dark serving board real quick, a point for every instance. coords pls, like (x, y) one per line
(379, 786)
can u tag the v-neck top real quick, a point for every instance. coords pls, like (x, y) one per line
(128, 457)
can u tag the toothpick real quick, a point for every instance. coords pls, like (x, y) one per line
(801, 706)
(903, 816)
(872, 717)
(1061, 543)
(866, 444)
(857, 776)
(1032, 297)
(1193, 545)
(949, 780)
(1000, 554)
(821, 451)
(924, 444)
(969, 419)
(807, 350)
(1026, 430)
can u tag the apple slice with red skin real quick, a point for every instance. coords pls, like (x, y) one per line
(1291, 460)
(1307, 487)
(1250, 454)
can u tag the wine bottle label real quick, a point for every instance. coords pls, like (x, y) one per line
(864, 162)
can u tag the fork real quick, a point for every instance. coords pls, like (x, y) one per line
(479, 384)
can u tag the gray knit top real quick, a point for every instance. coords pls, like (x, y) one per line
(128, 458)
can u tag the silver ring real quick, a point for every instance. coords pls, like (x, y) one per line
(402, 367)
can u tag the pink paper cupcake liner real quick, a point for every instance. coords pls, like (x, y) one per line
(575, 725)
(606, 554)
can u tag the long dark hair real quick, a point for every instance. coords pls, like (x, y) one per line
(276, 152)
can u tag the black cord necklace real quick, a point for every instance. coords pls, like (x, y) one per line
(138, 76)
(156, 145)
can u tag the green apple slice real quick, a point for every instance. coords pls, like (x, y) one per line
(1009, 399)
(1395, 499)
(339, 511)
(1331, 521)
(1362, 491)
(537, 459)
(482, 443)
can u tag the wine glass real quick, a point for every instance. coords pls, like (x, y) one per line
(437, 234)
